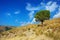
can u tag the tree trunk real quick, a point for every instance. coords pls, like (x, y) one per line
(42, 22)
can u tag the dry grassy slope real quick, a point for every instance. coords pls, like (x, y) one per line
(57, 20)
(50, 31)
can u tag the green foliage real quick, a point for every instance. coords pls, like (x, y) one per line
(42, 15)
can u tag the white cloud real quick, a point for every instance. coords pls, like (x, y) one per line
(59, 8)
(17, 12)
(8, 14)
(31, 14)
(42, 4)
(24, 23)
(21, 23)
(33, 21)
(51, 6)
(49, 3)
(57, 15)
(31, 10)
(29, 7)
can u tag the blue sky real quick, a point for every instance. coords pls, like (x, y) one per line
(21, 12)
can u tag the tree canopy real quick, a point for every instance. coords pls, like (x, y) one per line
(42, 15)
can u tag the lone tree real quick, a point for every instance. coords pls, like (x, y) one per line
(42, 15)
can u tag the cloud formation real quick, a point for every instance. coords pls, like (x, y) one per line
(24, 23)
(31, 14)
(33, 21)
(17, 12)
(51, 6)
(29, 7)
(57, 15)
(8, 14)
(31, 10)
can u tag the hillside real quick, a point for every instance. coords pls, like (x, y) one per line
(49, 31)
(5, 28)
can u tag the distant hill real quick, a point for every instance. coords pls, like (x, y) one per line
(49, 31)
(5, 28)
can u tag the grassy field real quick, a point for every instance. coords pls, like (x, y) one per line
(49, 31)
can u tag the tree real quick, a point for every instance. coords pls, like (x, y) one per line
(42, 15)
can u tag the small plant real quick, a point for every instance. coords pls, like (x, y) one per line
(28, 28)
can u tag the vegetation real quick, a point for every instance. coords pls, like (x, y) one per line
(42, 15)
(50, 31)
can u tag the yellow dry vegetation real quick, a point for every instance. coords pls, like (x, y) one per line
(49, 31)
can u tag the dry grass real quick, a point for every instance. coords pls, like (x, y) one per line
(50, 31)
